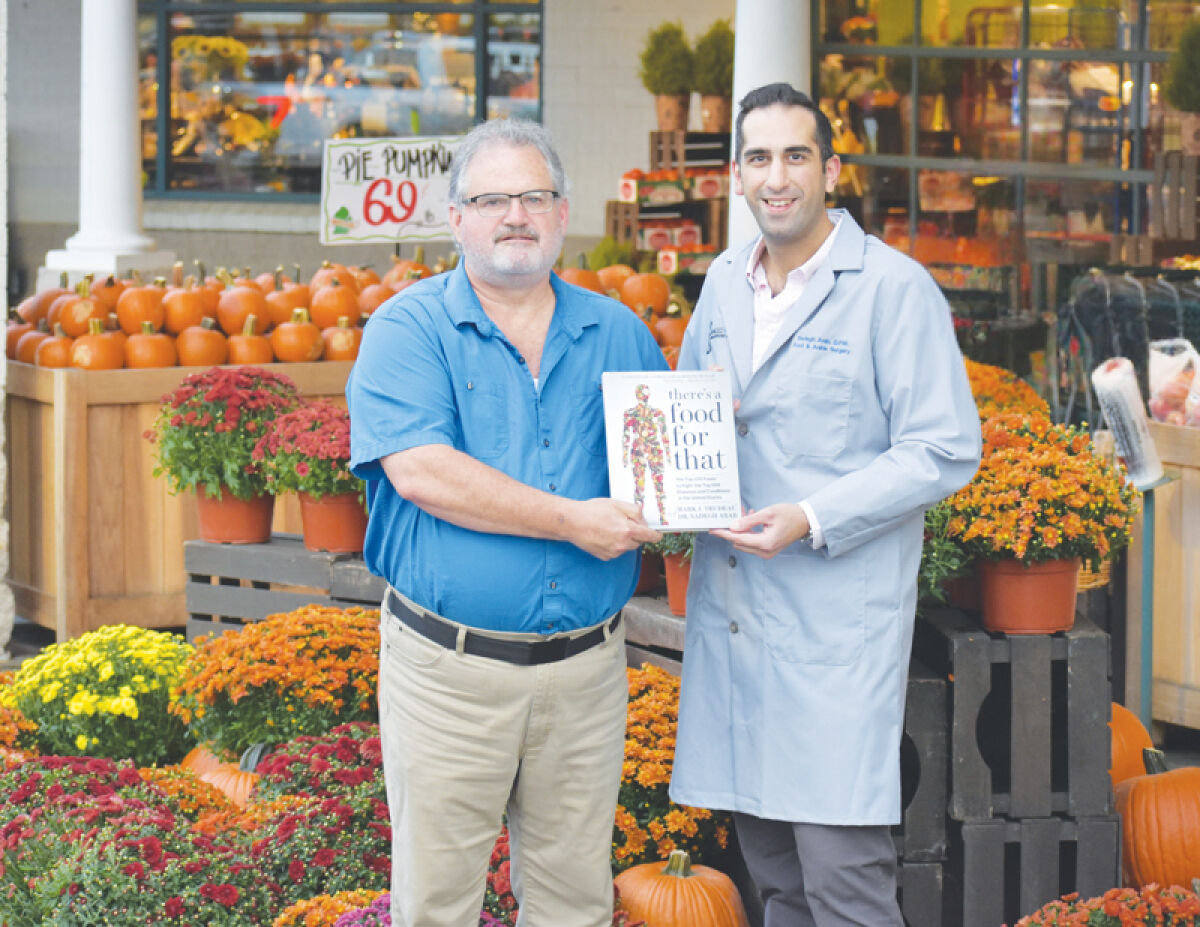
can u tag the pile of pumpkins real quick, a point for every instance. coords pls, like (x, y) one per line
(226, 318)
(205, 320)
(649, 295)
(1159, 808)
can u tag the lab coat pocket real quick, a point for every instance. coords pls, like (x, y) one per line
(484, 420)
(810, 414)
(816, 609)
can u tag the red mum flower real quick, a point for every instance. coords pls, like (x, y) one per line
(174, 906)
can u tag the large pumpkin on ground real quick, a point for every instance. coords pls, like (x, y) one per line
(679, 894)
(1129, 739)
(1160, 824)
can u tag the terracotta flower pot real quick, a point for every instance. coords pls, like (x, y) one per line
(672, 112)
(964, 591)
(229, 520)
(651, 574)
(716, 113)
(678, 570)
(337, 524)
(1034, 599)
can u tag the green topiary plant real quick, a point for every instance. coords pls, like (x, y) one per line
(1181, 87)
(667, 61)
(712, 64)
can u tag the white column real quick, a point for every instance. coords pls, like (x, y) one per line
(110, 239)
(773, 42)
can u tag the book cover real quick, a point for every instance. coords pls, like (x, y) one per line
(671, 450)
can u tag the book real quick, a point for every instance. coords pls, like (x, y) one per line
(671, 446)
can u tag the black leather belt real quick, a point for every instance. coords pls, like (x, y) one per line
(522, 653)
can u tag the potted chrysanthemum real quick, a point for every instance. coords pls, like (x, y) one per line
(1041, 502)
(203, 438)
(307, 451)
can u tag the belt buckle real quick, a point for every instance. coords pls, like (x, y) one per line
(552, 650)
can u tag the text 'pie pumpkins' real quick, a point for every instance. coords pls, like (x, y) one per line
(1160, 824)
(680, 895)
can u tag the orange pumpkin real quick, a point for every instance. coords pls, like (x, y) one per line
(108, 291)
(670, 328)
(183, 307)
(671, 353)
(237, 302)
(30, 310)
(37, 306)
(28, 343)
(401, 266)
(149, 348)
(679, 893)
(1160, 818)
(202, 345)
(372, 297)
(142, 304)
(646, 291)
(583, 276)
(75, 313)
(364, 276)
(97, 350)
(297, 341)
(55, 351)
(1129, 739)
(248, 347)
(613, 277)
(331, 302)
(16, 328)
(200, 760)
(342, 340)
(329, 272)
(236, 784)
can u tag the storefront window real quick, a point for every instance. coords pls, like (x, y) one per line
(254, 95)
(1057, 100)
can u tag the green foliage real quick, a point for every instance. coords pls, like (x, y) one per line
(667, 61)
(105, 694)
(713, 61)
(673, 542)
(608, 252)
(1181, 87)
(942, 559)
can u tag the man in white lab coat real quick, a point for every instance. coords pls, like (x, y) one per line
(854, 415)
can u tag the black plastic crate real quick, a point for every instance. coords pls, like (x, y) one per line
(1001, 870)
(1028, 732)
(921, 837)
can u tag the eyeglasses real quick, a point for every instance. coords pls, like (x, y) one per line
(496, 204)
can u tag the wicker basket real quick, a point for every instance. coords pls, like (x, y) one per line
(1094, 579)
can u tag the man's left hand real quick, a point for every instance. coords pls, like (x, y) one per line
(767, 531)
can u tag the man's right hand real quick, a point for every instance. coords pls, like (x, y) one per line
(607, 528)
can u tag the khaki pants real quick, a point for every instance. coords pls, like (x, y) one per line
(466, 738)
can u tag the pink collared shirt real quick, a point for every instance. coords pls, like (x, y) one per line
(769, 311)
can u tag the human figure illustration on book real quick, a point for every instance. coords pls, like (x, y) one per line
(646, 447)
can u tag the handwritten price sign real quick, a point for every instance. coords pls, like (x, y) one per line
(385, 189)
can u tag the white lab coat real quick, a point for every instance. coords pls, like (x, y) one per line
(795, 668)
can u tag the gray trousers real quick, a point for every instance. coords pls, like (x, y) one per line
(817, 875)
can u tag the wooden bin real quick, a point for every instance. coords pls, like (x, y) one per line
(95, 537)
(1176, 689)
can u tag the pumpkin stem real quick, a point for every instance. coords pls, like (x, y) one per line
(248, 328)
(679, 864)
(147, 327)
(419, 254)
(200, 270)
(1156, 761)
(95, 326)
(177, 274)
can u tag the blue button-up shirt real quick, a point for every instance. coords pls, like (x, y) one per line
(434, 369)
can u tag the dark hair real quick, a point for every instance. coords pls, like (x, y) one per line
(770, 95)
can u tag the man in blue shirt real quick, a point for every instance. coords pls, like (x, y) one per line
(476, 417)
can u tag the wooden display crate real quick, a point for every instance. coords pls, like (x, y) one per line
(1176, 687)
(229, 585)
(1028, 718)
(96, 538)
(679, 150)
